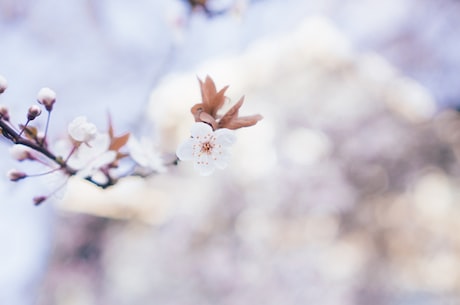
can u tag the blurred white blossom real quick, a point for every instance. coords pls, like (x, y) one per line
(89, 159)
(80, 130)
(207, 148)
(144, 153)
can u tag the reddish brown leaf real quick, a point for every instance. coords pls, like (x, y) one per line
(196, 111)
(29, 131)
(217, 102)
(231, 120)
(121, 155)
(212, 100)
(208, 90)
(110, 131)
(206, 118)
(231, 114)
(244, 121)
(119, 142)
(116, 143)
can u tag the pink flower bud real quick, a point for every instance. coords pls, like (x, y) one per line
(4, 114)
(41, 137)
(15, 175)
(21, 152)
(3, 84)
(39, 199)
(34, 111)
(47, 98)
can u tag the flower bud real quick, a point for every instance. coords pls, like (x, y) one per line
(34, 111)
(39, 199)
(47, 98)
(3, 84)
(41, 137)
(21, 152)
(80, 130)
(4, 113)
(15, 175)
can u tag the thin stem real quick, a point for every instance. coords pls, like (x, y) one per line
(24, 127)
(16, 138)
(74, 148)
(43, 198)
(44, 162)
(46, 128)
(44, 173)
(139, 171)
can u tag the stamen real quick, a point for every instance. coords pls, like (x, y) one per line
(207, 147)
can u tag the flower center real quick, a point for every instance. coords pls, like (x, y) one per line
(206, 147)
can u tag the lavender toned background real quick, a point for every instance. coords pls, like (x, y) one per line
(346, 192)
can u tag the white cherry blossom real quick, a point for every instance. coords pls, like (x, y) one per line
(89, 159)
(144, 153)
(208, 149)
(80, 130)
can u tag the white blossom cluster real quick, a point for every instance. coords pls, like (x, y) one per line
(94, 155)
(84, 151)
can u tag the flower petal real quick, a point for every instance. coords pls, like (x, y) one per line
(99, 177)
(200, 130)
(185, 151)
(205, 165)
(81, 130)
(145, 154)
(104, 159)
(221, 160)
(95, 147)
(224, 137)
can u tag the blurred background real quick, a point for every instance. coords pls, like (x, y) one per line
(346, 193)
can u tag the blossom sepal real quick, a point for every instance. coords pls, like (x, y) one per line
(213, 101)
